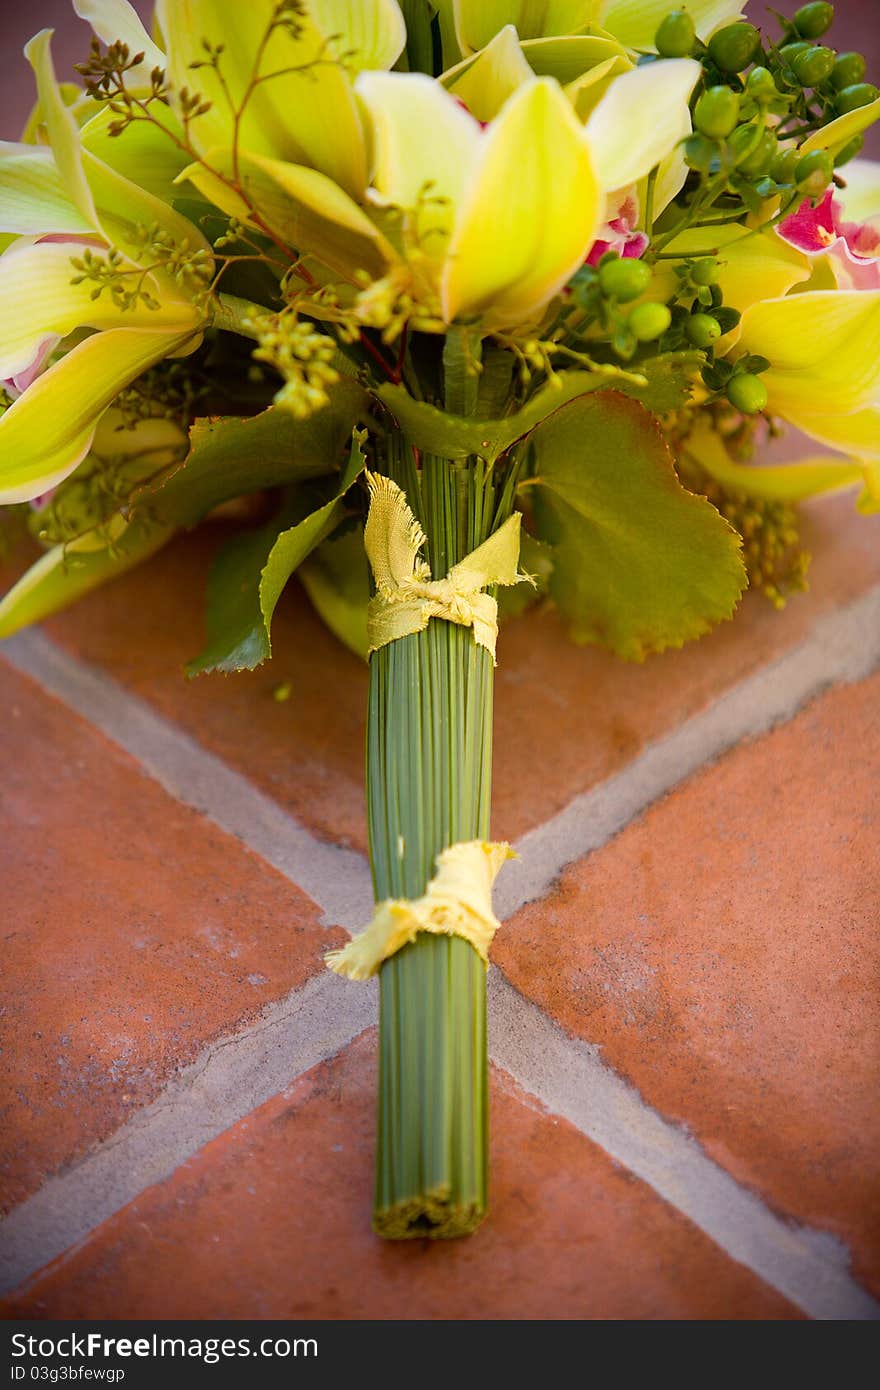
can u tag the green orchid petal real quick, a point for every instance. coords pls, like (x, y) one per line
(145, 152)
(857, 433)
(114, 20)
(635, 22)
(838, 133)
(823, 346)
(40, 301)
(586, 93)
(424, 150)
(640, 120)
(82, 108)
(48, 430)
(571, 57)
(484, 82)
(304, 208)
(530, 213)
(33, 200)
(374, 31)
(478, 21)
(302, 109)
(111, 204)
(61, 128)
(784, 482)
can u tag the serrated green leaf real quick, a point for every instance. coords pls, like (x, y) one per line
(640, 563)
(231, 456)
(249, 575)
(336, 577)
(671, 377)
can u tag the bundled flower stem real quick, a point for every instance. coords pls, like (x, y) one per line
(429, 772)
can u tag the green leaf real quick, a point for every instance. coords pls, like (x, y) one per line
(535, 560)
(67, 572)
(230, 456)
(336, 577)
(455, 437)
(671, 377)
(250, 573)
(640, 564)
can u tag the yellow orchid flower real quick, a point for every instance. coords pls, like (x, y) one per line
(824, 350)
(72, 206)
(633, 22)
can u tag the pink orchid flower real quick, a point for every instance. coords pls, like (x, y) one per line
(854, 247)
(619, 233)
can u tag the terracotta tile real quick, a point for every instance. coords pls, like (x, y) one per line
(567, 716)
(135, 931)
(271, 1220)
(723, 952)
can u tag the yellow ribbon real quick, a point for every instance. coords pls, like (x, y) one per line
(407, 597)
(457, 902)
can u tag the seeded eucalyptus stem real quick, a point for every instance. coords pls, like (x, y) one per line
(429, 772)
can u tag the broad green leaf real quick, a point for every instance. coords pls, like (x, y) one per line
(336, 577)
(231, 456)
(65, 573)
(249, 576)
(640, 564)
(667, 387)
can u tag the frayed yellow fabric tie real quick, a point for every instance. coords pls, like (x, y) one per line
(407, 597)
(457, 902)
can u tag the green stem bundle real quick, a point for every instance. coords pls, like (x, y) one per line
(429, 761)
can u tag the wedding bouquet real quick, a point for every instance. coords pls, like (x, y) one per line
(480, 303)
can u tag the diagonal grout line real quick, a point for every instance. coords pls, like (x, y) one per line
(230, 1079)
(811, 1268)
(843, 646)
(235, 1075)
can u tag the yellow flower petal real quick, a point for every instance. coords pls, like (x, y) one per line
(478, 21)
(374, 31)
(424, 149)
(302, 207)
(640, 120)
(32, 196)
(588, 90)
(116, 19)
(61, 127)
(48, 430)
(302, 109)
(860, 198)
(530, 213)
(824, 347)
(40, 301)
(857, 433)
(784, 482)
(485, 82)
(635, 22)
(838, 133)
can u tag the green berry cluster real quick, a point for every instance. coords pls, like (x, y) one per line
(605, 294)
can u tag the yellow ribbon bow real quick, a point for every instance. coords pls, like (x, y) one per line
(407, 597)
(457, 902)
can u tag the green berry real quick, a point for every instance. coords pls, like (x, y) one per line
(760, 85)
(624, 279)
(649, 321)
(759, 160)
(716, 112)
(699, 152)
(851, 98)
(849, 151)
(705, 271)
(747, 393)
(676, 35)
(733, 47)
(814, 66)
(702, 329)
(812, 20)
(784, 165)
(813, 172)
(849, 68)
(789, 51)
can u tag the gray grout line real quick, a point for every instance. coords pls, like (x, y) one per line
(337, 879)
(811, 1268)
(229, 1080)
(843, 646)
(238, 1073)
